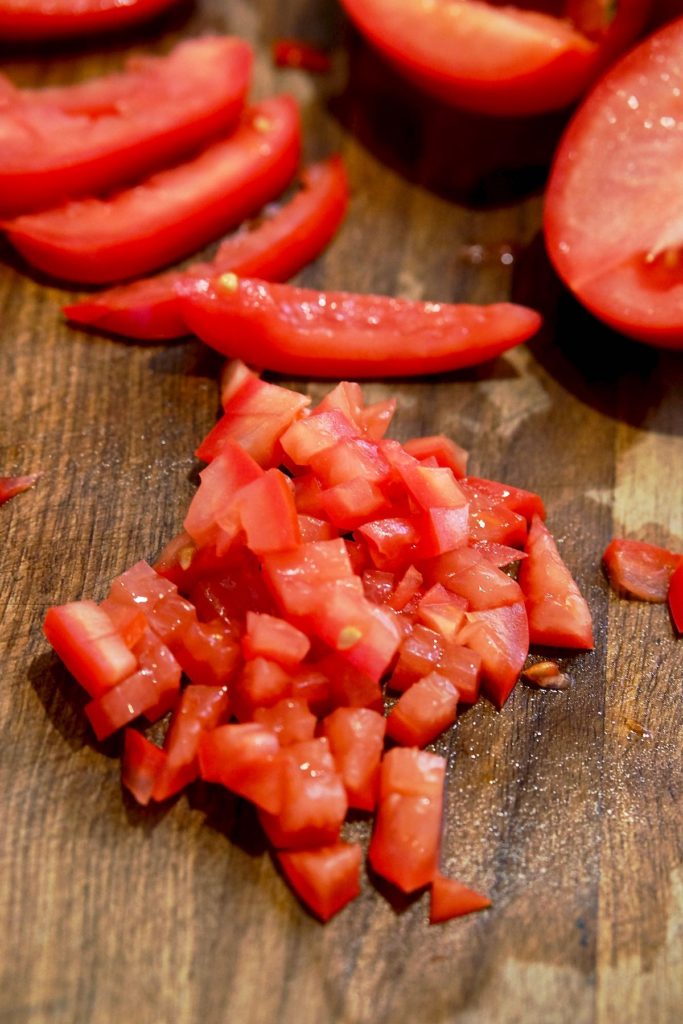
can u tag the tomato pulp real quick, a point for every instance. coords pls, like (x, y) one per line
(614, 211)
(498, 59)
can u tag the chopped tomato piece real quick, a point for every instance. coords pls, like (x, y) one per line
(450, 898)
(200, 709)
(275, 247)
(171, 214)
(243, 758)
(325, 879)
(300, 331)
(140, 765)
(290, 719)
(405, 842)
(557, 611)
(641, 570)
(500, 636)
(293, 53)
(525, 503)
(219, 484)
(267, 513)
(86, 640)
(676, 596)
(467, 573)
(446, 452)
(168, 107)
(262, 683)
(356, 738)
(270, 637)
(423, 711)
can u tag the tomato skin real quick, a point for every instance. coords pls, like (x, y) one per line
(557, 611)
(30, 20)
(641, 570)
(610, 220)
(275, 249)
(339, 334)
(489, 58)
(51, 154)
(173, 213)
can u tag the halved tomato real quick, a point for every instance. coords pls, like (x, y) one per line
(614, 209)
(498, 59)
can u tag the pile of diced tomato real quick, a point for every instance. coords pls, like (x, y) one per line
(334, 599)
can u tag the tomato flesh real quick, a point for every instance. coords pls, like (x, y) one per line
(641, 570)
(450, 898)
(326, 879)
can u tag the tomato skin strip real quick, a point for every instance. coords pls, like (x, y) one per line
(171, 214)
(340, 334)
(275, 250)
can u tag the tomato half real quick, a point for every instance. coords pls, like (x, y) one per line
(171, 214)
(613, 212)
(338, 334)
(497, 59)
(120, 128)
(275, 248)
(60, 19)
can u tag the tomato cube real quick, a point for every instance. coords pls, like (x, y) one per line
(450, 898)
(85, 638)
(326, 878)
(243, 758)
(356, 738)
(423, 711)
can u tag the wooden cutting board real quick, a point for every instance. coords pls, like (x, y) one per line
(565, 807)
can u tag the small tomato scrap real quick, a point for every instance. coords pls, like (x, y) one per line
(294, 53)
(10, 486)
(272, 630)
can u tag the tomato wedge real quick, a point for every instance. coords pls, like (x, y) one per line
(614, 211)
(171, 214)
(641, 570)
(496, 59)
(275, 248)
(338, 334)
(58, 19)
(121, 131)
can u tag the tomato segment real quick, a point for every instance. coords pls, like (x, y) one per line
(178, 103)
(297, 330)
(450, 898)
(613, 209)
(638, 569)
(173, 213)
(47, 19)
(492, 58)
(275, 248)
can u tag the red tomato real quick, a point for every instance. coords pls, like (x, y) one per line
(294, 53)
(494, 59)
(676, 597)
(274, 248)
(450, 898)
(611, 223)
(88, 643)
(171, 214)
(424, 711)
(140, 764)
(500, 636)
(52, 19)
(243, 757)
(641, 570)
(10, 486)
(356, 738)
(557, 611)
(173, 105)
(326, 879)
(301, 331)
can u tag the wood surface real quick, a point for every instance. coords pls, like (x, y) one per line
(558, 807)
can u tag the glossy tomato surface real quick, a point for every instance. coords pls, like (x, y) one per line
(52, 19)
(498, 59)
(614, 206)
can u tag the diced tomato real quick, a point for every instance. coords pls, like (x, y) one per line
(137, 694)
(349, 686)
(462, 667)
(405, 842)
(55, 149)
(407, 589)
(267, 513)
(290, 719)
(219, 485)
(172, 214)
(525, 503)
(200, 709)
(301, 331)
(275, 247)
(446, 452)
(557, 611)
(86, 640)
(418, 655)
(641, 570)
(392, 543)
(493, 521)
(423, 711)
(316, 433)
(349, 504)
(676, 596)
(129, 621)
(255, 416)
(270, 637)
(296, 576)
(326, 878)
(450, 898)
(293, 53)
(244, 759)
(140, 765)
(363, 633)
(10, 486)
(469, 574)
(356, 738)
(500, 636)
(262, 683)
(208, 653)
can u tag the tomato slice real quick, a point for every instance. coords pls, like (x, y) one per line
(179, 102)
(171, 214)
(61, 19)
(638, 569)
(490, 58)
(333, 334)
(613, 212)
(275, 248)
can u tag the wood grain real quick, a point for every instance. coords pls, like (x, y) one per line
(569, 818)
